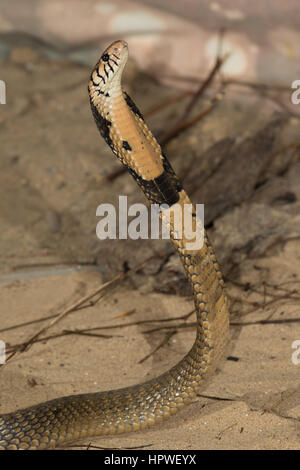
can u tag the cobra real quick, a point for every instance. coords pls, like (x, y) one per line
(73, 418)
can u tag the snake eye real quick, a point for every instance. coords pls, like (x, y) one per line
(105, 57)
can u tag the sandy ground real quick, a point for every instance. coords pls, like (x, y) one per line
(53, 176)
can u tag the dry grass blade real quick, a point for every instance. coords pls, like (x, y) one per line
(68, 310)
(75, 307)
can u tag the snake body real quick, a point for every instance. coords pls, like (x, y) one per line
(71, 418)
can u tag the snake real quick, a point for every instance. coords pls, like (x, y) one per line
(72, 418)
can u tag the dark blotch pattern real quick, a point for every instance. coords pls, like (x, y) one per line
(126, 145)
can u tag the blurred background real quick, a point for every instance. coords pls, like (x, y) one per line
(214, 81)
(166, 38)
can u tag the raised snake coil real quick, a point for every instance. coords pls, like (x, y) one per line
(71, 418)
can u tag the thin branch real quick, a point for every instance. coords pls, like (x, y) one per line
(165, 103)
(181, 126)
(92, 446)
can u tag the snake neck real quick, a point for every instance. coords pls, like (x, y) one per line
(124, 129)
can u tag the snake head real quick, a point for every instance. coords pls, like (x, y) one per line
(106, 75)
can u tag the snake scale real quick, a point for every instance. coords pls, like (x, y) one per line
(72, 418)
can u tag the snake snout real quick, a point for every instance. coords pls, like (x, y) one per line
(118, 50)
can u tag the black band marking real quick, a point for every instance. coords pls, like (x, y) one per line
(116, 63)
(100, 76)
(96, 85)
(132, 106)
(169, 193)
(160, 190)
(169, 170)
(110, 67)
(103, 126)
